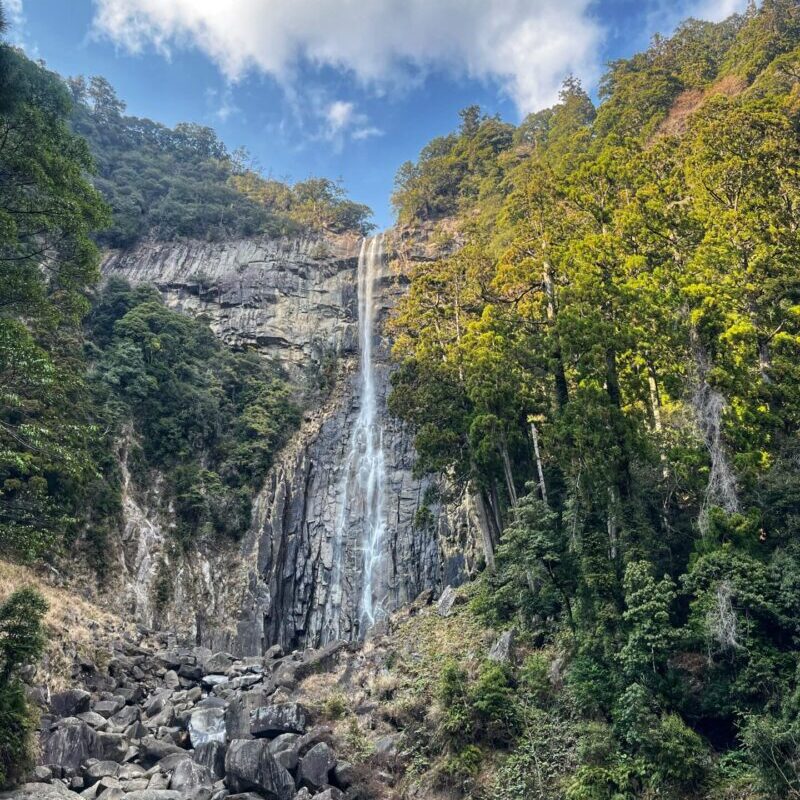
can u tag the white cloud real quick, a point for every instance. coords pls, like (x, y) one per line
(222, 103)
(341, 120)
(665, 15)
(526, 46)
(339, 115)
(716, 10)
(366, 132)
(14, 11)
(15, 17)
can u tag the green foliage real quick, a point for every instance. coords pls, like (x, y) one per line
(618, 332)
(335, 706)
(534, 679)
(453, 170)
(183, 183)
(208, 418)
(48, 212)
(459, 768)
(773, 748)
(477, 710)
(21, 643)
(493, 700)
(650, 633)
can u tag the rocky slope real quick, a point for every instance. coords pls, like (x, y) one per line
(296, 300)
(145, 717)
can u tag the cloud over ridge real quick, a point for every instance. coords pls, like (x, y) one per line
(525, 46)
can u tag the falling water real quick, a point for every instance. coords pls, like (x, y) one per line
(364, 478)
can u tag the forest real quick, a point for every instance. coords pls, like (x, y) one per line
(609, 359)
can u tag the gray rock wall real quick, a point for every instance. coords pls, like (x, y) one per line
(296, 300)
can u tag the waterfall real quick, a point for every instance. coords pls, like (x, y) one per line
(361, 495)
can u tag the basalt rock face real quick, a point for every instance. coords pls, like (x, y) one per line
(293, 298)
(297, 301)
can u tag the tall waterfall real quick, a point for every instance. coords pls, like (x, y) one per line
(361, 496)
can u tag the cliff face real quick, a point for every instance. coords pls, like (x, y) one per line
(297, 576)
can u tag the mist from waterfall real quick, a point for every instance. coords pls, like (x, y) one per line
(362, 490)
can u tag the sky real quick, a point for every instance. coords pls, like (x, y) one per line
(348, 89)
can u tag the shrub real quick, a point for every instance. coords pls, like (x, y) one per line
(494, 703)
(334, 707)
(534, 678)
(457, 722)
(459, 768)
(773, 747)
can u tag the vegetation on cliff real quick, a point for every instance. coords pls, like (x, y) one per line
(184, 183)
(610, 362)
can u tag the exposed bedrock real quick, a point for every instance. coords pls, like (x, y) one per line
(296, 300)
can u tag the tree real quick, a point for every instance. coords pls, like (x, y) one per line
(21, 644)
(48, 212)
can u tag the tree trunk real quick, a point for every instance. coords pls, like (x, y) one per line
(764, 360)
(507, 471)
(494, 502)
(486, 528)
(542, 486)
(562, 392)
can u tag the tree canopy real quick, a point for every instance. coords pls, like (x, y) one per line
(607, 359)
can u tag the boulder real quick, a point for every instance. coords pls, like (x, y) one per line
(94, 720)
(219, 662)
(125, 717)
(212, 756)
(192, 672)
(41, 775)
(155, 705)
(70, 703)
(388, 745)
(315, 766)
(154, 750)
(171, 679)
(210, 681)
(192, 779)
(249, 766)
(444, 607)
(100, 769)
(154, 794)
(271, 721)
(207, 725)
(107, 708)
(107, 785)
(284, 749)
(113, 746)
(129, 772)
(319, 733)
(70, 744)
(165, 718)
(502, 650)
(344, 775)
(331, 793)
(237, 719)
(424, 598)
(40, 791)
(320, 660)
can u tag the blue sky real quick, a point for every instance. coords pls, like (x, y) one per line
(343, 88)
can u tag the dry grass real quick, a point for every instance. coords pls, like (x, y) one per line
(77, 629)
(677, 121)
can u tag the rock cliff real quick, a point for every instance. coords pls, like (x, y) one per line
(296, 300)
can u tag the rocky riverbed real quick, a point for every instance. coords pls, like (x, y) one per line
(166, 723)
